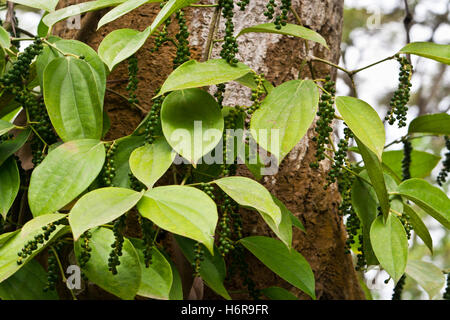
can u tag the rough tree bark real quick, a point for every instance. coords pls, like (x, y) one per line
(279, 58)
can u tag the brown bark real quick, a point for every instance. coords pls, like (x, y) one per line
(298, 186)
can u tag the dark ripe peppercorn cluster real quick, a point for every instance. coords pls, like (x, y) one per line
(323, 124)
(220, 93)
(198, 258)
(398, 102)
(230, 46)
(183, 52)
(398, 289)
(117, 245)
(257, 93)
(109, 170)
(153, 125)
(406, 161)
(148, 236)
(52, 268)
(85, 253)
(442, 176)
(132, 79)
(446, 295)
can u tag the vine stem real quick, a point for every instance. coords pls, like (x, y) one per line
(59, 50)
(212, 30)
(351, 171)
(62, 272)
(125, 98)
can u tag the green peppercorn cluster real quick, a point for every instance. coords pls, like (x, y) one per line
(85, 253)
(219, 94)
(117, 245)
(442, 176)
(398, 289)
(238, 262)
(133, 79)
(163, 35)
(109, 170)
(270, 9)
(153, 125)
(183, 52)
(352, 225)
(242, 4)
(230, 46)
(225, 230)
(198, 258)
(148, 236)
(446, 295)
(228, 148)
(135, 184)
(323, 124)
(281, 20)
(398, 102)
(340, 158)
(257, 93)
(406, 161)
(52, 267)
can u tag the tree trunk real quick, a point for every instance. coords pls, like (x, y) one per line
(279, 58)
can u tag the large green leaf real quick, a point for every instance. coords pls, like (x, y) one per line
(73, 99)
(156, 280)
(438, 123)
(288, 264)
(192, 123)
(284, 116)
(288, 30)
(427, 275)
(47, 55)
(390, 244)
(212, 268)
(182, 210)
(125, 284)
(124, 148)
(121, 10)
(277, 293)
(47, 5)
(5, 40)
(364, 122)
(428, 197)
(422, 163)
(419, 227)
(5, 126)
(64, 174)
(193, 74)
(27, 284)
(9, 186)
(99, 207)
(9, 147)
(430, 50)
(250, 193)
(16, 241)
(149, 162)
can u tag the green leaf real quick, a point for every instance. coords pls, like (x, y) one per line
(47, 55)
(121, 10)
(73, 99)
(5, 127)
(99, 207)
(9, 147)
(77, 9)
(156, 280)
(419, 227)
(192, 123)
(5, 40)
(390, 244)
(427, 275)
(297, 223)
(422, 163)
(430, 50)
(27, 284)
(284, 116)
(193, 74)
(277, 293)
(213, 269)
(9, 187)
(126, 282)
(364, 122)
(248, 80)
(149, 162)
(288, 264)
(16, 241)
(47, 5)
(64, 174)
(170, 7)
(120, 45)
(428, 197)
(176, 291)
(438, 123)
(250, 193)
(284, 230)
(125, 147)
(183, 210)
(42, 28)
(288, 30)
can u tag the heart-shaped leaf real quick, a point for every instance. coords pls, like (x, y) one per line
(9, 186)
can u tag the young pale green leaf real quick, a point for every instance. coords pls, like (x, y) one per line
(149, 162)
(27, 284)
(277, 293)
(99, 207)
(431, 199)
(364, 122)
(125, 146)
(213, 268)
(419, 227)
(5, 127)
(157, 279)
(250, 193)
(288, 30)
(76, 9)
(73, 99)
(248, 80)
(64, 174)
(47, 5)
(125, 284)
(9, 186)
(422, 163)
(427, 275)
(121, 10)
(182, 210)
(120, 45)
(42, 28)
(284, 116)
(193, 74)
(390, 244)
(16, 241)
(430, 50)
(288, 264)
(438, 123)
(5, 40)
(9, 147)
(192, 123)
